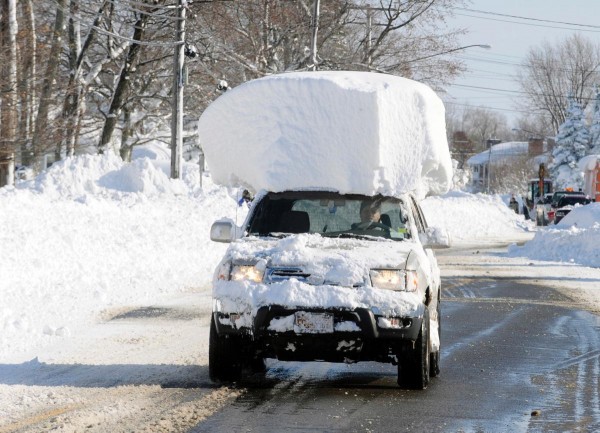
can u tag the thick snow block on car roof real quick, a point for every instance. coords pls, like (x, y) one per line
(354, 132)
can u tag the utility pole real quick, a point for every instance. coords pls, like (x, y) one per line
(178, 82)
(369, 38)
(313, 35)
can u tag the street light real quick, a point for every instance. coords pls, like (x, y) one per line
(486, 46)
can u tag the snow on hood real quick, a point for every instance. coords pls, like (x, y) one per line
(343, 262)
(310, 129)
(335, 266)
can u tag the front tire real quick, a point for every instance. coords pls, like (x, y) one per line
(434, 360)
(414, 367)
(224, 357)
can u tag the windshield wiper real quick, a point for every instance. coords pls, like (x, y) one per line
(278, 235)
(350, 236)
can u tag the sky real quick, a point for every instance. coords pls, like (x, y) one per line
(510, 40)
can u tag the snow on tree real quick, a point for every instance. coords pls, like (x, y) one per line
(595, 126)
(572, 143)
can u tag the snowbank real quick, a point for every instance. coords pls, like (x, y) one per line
(476, 218)
(93, 234)
(355, 132)
(574, 239)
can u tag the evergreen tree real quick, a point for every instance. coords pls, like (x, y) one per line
(595, 126)
(572, 143)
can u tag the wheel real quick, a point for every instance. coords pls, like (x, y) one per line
(539, 221)
(258, 365)
(413, 368)
(434, 357)
(224, 357)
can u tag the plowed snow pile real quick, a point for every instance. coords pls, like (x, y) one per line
(354, 132)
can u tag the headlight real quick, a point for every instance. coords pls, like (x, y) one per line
(392, 279)
(246, 272)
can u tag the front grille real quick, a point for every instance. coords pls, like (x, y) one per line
(275, 275)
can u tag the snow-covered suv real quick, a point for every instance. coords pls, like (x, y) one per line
(307, 279)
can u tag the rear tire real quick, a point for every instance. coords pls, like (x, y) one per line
(224, 357)
(258, 365)
(413, 368)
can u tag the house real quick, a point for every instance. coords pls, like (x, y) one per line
(483, 164)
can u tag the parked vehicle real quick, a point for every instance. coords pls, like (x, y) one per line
(567, 202)
(543, 209)
(535, 197)
(556, 197)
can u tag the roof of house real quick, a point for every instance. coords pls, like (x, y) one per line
(500, 151)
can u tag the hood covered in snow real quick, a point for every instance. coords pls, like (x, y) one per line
(321, 260)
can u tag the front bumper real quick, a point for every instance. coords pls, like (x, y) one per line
(371, 338)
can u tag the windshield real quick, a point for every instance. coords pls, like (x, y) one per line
(330, 214)
(572, 200)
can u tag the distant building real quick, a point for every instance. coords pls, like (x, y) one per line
(482, 164)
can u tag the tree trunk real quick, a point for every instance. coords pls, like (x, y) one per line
(28, 87)
(126, 134)
(72, 108)
(41, 134)
(8, 119)
(122, 87)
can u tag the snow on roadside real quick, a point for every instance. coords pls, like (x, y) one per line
(92, 234)
(575, 239)
(476, 218)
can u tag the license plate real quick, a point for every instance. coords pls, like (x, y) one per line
(313, 323)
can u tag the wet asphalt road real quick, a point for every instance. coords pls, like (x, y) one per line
(515, 358)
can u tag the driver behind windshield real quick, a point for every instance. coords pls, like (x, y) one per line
(370, 214)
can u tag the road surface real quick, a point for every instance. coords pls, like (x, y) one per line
(518, 355)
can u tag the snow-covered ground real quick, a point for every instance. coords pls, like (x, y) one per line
(92, 235)
(93, 238)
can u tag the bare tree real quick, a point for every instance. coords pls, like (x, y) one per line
(512, 175)
(461, 148)
(116, 59)
(258, 37)
(553, 72)
(27, 81)
(407, 38)
(8, 119)
(479, 124)
(41, 135)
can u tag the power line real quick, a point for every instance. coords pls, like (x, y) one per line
(527, 18)
(519, 92)
(488, 107)
(526, 24)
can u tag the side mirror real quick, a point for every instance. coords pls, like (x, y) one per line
(435, 238)
(223, 231)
